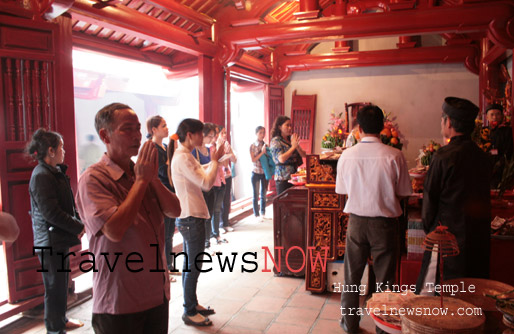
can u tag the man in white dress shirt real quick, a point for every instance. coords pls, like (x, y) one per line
(375, 178)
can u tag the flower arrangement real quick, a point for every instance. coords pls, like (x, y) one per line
(481, 136)
(390, 134)
(427, 152)
(336, 135)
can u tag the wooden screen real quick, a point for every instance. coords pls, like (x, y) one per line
(303, 114)
(36, 90)
(274, 107)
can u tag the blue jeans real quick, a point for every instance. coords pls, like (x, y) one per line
(169, 231)
(219, 194)
(193, 233)
(256, 178)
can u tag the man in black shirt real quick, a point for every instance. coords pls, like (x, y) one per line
(501, 141)
(456, 194)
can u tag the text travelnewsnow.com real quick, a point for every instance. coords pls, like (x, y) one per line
(134, 261)
(417, 311)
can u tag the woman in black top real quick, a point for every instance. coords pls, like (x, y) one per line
(157, 131)
(55, 223)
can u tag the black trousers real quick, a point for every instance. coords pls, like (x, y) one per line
(282, 186)
(55, 280)
(152, 321)
(227, 202)
(365, 236)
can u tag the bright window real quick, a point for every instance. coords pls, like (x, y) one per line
(100, 80)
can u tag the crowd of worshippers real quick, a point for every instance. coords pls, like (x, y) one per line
(122, 206)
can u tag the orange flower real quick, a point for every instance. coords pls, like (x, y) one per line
(174, 137)
(386, 132)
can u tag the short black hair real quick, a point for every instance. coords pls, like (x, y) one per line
(464, 127)
(371, 119)
(208, 128)
(494, 106)
(259, 128)
(188, 125)
(105, 117)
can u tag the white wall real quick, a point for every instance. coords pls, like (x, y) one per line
(412, 93)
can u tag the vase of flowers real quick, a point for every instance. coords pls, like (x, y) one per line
(336, 133)
(390, 135)
(427, 152)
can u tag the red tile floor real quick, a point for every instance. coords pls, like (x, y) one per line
(255, 302)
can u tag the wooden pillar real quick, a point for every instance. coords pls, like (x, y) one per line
(204, 80)
(228, 105)
(218, 99)
(211, 91)
(65, 120)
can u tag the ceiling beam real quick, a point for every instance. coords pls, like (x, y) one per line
(136, 24)
(436, 20)
(438, 54)
(184, 11)
(85, 41)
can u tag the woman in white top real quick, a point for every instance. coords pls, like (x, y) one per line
(189, 179)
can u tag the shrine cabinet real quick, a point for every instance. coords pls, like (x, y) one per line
(326, 222)
(289, 231)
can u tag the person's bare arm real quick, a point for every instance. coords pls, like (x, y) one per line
(9, 230)
(211, 171)
(295, 146)
(145, 171)
(258, 156)
(168, 201)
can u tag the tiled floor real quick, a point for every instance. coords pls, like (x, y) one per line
(255, 302)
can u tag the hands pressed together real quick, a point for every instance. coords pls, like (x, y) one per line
(295, 141)
(147, 164)
(218, 150)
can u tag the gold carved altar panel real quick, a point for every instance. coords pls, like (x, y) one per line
(326, 226)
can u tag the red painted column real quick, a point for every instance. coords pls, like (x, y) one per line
(228, 105)
(204, 80)
(489, 73)
(308, 5)
(218, 93)
(211, 76)
(340, 10)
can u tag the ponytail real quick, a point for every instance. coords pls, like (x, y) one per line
(40, 142)
(170, 153)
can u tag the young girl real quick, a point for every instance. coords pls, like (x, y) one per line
(190, 179)
(202, 153)
(257, 150)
